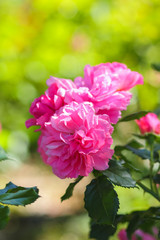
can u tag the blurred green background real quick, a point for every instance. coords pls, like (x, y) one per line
(40, 38)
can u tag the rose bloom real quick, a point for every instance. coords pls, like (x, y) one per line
(75, 141)
(45, 106)
(107, 86)
(149, 123)
(138, 234)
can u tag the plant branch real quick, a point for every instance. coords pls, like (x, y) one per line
(146, 189)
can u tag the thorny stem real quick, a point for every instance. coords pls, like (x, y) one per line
(146, 189)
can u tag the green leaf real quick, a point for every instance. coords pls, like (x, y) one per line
(3, 154)
(69, 190)
(143, 153)
(139, 136)
(119, 155)
(118, 149)
(101, 201)
(21, 197)
(9, 186)
(133, 143)
(133, 116)
(15, 195)
(131, 167)
(101, 232)
(135, 147)
(119, 175)
(4, 216)
(156, 66)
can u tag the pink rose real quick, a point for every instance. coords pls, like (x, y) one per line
(122, 235)
(138, 234)
(76, 140)
(108, 87)
(149, 123)
(45, 106)
(143, 235)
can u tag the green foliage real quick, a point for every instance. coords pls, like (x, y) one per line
(14, 195)
(8, 186)
(133, 116)
(144, 220)
(148, 190)
(4, 216)
(69, 190)
(139, 219)
(133, 144)
(101, 232)
(143, 153)
(119, 175)
(137, 150)
(101, 201)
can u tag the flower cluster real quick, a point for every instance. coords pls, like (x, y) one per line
(149, 123)
(75, 118)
